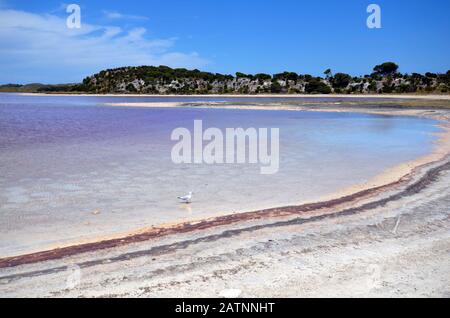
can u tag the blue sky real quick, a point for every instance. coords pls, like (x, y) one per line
(220, 36)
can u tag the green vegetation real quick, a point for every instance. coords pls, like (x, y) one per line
(165, 80)
(40, 88)
(276, 87)
(316, 86)
(387, 68)
(286, 76)
(340, 80)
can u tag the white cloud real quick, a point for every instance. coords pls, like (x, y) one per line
(118, 15)
(40, 48)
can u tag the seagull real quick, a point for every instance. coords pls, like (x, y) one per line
(186, 198)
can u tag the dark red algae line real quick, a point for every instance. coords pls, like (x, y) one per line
(59, 253)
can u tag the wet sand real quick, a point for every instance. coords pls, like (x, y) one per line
(393, 234)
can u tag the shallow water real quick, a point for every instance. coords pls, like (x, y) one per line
(71, 169)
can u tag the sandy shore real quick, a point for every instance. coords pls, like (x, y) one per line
(395, 245)
(283, 243)
(378, 96)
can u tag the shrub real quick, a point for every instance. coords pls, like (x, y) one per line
(316, 86)
(275, 87)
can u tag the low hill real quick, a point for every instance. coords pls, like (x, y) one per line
(385, 79)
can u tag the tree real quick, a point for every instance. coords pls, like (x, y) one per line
(416, 76)
(372, 86)
(275, 87)
(328, 73)
(387, 68)
(286, 76)
(242, 75)
(307, 77)
(131, 88)
(263, 77)
(447, 76)
(316, 86)
(341, 80)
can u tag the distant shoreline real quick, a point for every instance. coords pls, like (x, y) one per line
(344, 96)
